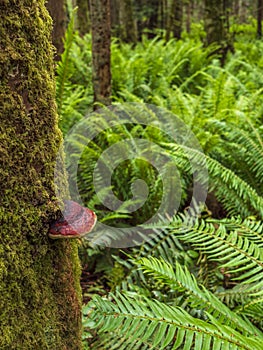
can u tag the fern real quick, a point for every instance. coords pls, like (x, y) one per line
(72, 95)
(234, 193)
(197, 297)
(140, 322)
(194, 275)
(225, 242)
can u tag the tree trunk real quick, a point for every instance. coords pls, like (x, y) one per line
(83, 21)
(57, 10)
(214, 24)
(244, 10)
(259, 18)
(175, 20)
(166, 13)
(100, 28)
(188, 10)
(40, 305)
(115, 17)
(178, 19)
(236, 8)
(127, 33)
(153, 18)
(217, 25)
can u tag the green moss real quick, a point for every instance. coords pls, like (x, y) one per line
(40, 305)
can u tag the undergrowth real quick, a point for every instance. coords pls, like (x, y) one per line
(194, 284)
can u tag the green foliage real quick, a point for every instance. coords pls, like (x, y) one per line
(143, 73)
(150, 324)
(190, 313)
(74, 91)
(193, 284)
(233, 187)
(226, 253)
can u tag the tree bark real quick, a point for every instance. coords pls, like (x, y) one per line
(259, 18)
(140, 8)
(100, 28)
(40, 305)
(153, 18)
(217, 26)
(83, 20)
(127, 32)
(115, 17)
(175, 20)
(57, 10)
(188, 10)
(244, 10)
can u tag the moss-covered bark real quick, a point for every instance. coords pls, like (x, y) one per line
(40, 300)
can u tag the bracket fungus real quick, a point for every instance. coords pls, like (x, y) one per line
(76, 222)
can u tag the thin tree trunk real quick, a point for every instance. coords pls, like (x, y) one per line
(127, 33)
(217, 26)
(163, 14)
(188, 8)
(115, 17)
(244, 11)
(140, 18)
(175, 20)
(40, 305)
(57, 10)
(100, 27)
(83, 20)
(259, 18)
(178, 19)
(153, 18)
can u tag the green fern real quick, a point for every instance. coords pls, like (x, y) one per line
(231, 245)
(134, 321)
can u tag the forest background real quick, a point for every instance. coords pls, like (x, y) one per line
(202, 60)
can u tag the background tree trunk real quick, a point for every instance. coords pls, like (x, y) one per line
(100, 27)
(57, 10)
(40, 305)
(244, 10)
(217, 25)
(189, 14)
(115, 17)
(153, 18)
(259, 18)
(175, 20)
(128, 33)
(163, 13)
(214, 25)
(83, 20)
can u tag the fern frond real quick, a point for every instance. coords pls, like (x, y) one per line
(143, 320)
(65, 67)
(234, 193)
(179, 278)
(241, 257)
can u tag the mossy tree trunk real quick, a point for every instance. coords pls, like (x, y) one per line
(40, 305)
(57, 10)
(101, 70)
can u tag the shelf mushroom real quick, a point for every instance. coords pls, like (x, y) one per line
(76, 222)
